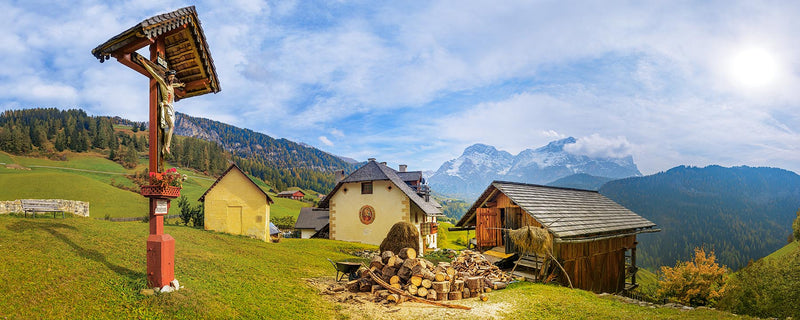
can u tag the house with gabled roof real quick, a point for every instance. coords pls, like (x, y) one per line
(310, 221)
(364, 205)
(235, 204)
(593, 237)
(292, 194)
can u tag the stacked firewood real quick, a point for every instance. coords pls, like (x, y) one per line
(396, 278)
(473, 264)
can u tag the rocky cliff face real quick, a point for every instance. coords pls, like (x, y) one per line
(480, 164)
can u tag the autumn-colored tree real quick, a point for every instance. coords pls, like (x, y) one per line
(697, 282)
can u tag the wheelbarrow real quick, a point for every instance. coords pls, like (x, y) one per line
(345, 268)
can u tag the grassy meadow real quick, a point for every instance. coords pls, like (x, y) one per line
(86, 268)
(92, 178)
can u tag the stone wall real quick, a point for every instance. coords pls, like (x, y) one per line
(78, 208)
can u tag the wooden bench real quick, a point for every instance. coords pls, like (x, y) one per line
(41, 205)
(535, 263)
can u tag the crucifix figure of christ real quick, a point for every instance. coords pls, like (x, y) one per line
(166, 88)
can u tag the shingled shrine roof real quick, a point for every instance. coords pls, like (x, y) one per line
(567, 213)
(185, 43)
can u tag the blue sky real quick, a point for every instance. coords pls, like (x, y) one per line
(415, 82)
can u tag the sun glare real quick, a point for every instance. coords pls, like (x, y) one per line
(754, 67)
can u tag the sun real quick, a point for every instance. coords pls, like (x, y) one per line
(753, 68)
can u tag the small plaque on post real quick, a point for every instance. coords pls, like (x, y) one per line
(162, 206)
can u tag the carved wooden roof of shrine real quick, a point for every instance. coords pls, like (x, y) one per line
(186, 48)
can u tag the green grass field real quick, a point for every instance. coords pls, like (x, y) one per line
(90, 177)
(79, 268)
(783, 252)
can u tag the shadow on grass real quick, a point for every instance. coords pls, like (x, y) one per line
(53, 229)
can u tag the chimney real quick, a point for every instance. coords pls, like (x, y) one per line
(403, 167)
(339, 175)
(383, 163)
(371, 159)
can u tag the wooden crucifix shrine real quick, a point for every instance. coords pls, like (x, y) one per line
(179, 66)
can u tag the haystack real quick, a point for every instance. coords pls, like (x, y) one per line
(401, 235)
(532, 240)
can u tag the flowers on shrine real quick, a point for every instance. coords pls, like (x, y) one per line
(171, 177)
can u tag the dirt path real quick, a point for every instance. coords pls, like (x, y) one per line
(361, 306)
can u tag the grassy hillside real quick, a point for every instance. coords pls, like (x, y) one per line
(767, 287)
(90, 177)
(76, 268)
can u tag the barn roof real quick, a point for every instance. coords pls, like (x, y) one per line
(565, 212)
(185, 43)
(234, 166)
(312, 218)
(374, 171)
(290, 192)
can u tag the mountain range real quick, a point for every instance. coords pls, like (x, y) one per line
(281, 162)
(469, 174)
(741, 213)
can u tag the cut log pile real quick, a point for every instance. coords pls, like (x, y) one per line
(473, 265)
(400, 277)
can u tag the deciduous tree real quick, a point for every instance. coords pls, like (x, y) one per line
(697, 282)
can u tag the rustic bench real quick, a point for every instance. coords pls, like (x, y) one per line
(41, 205)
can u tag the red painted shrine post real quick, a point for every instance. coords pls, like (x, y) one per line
(177, 46)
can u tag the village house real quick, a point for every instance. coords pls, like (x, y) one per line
(235, 204)
(593, 237)
(310, 221)
(292, 194)
(364, 205)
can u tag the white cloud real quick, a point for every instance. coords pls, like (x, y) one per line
(325, 141)
(337, 133)
(599, 146)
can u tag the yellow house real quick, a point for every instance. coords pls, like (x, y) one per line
(364, 205)
(235, 204)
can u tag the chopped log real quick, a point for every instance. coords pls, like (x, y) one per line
(431, 294)
(397, 291)
(393, 298)
(410, 263)
(406, 253)
(418, 270)
(412, 290)
(352, 286)
(377, 262)
(394, 280)
(484, 297)
(499, 285)
(386, 255)
(404, 274)
(473, 283)
(375, 288)
(382, 293)
(396, 286)
(427, 274)
(427, 283)
(391, 261)
(466, 293)
(458, 285)
(428, 264)
(441, 286)
(439, 277)
(388, 272)
(487, 290)
(422, 292)
(451, 272)
(416, 280)
(364, 285)
(442, 296)
(454, 295)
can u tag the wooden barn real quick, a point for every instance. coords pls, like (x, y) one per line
(594, 238)
(292, 194)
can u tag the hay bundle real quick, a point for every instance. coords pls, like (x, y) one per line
(532, 240)
(401, 235)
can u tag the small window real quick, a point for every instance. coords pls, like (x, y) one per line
(366, 188)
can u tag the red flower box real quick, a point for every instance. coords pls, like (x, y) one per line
(157, 191)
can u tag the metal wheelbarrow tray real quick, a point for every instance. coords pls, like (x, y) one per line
(345, 268)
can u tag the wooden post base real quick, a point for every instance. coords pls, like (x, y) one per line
(160, 260)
